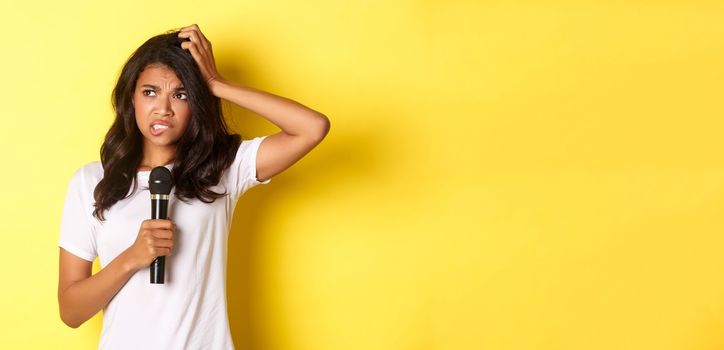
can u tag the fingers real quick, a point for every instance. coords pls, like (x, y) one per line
(164, 243)
(159, 223)
(191, 46)
(204, 59)
(159, 229)
(162, 234)
(159, 241)
(163, 252)
(200, 49)
(156, 251)
(195, 37)
(194, 27)
(198, 45)
(156, 247)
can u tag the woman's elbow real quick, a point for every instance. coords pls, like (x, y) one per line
(68, 322)
(322, 128)
(68, 319)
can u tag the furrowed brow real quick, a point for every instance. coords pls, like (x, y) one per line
(155, 87)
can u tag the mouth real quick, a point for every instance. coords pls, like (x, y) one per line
(158, 129)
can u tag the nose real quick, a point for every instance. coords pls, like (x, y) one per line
(163, 106)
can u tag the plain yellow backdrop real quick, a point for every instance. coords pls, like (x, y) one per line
(498, 174)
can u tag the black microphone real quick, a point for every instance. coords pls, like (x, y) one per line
(160, 182)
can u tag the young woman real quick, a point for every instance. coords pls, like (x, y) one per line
(167, 103)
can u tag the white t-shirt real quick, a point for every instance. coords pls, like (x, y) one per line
(189, 310)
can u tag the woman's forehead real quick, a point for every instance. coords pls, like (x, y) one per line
(159, 75)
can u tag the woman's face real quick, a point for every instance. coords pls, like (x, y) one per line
(161, 105)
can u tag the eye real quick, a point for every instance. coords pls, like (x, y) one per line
(148, 92)
(182, 96)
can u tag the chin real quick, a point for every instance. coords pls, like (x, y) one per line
(161, 142)
(165, 144)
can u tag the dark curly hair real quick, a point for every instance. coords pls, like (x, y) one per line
(203, 152)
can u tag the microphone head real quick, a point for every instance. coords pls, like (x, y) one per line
(160, 180)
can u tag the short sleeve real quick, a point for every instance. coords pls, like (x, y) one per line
(77, 233)
(243, 169)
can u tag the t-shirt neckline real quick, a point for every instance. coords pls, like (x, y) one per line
(148, 172)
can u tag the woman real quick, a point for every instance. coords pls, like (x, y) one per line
(167, 103)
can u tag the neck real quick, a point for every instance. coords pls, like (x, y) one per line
(154, 156)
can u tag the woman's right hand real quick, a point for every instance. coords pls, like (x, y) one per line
(155, 238)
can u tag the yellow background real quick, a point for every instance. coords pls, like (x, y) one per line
(498, 174)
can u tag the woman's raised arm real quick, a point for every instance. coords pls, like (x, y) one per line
(302, 128)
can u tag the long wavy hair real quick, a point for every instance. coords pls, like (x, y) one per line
(203, 152)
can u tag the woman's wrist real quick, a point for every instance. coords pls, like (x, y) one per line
(217, 86)
(127, 263)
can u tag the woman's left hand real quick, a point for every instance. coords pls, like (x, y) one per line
(200, 49)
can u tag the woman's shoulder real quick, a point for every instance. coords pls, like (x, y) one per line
(88, 174)
(249, 145)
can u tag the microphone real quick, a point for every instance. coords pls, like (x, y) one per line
(160, 182)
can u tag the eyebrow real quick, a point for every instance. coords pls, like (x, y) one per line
(159, 88)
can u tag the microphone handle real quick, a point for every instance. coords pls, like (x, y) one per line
(159, 210)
